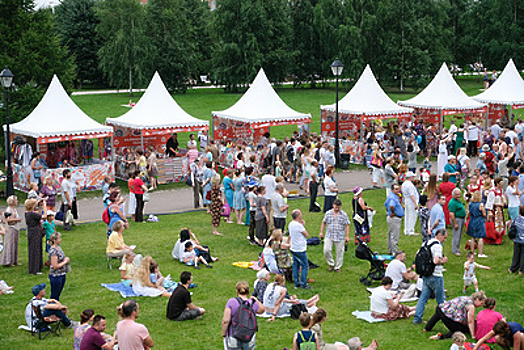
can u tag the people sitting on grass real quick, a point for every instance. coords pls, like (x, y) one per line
(142, 284)
(507, 334)
(319, 317)
(260, 285)
(180, 306)
(401, 275)
(356, 344)
(277, 300)
(48, 308)
(386, 305)
(457, 315)
(94, 336)
(127, 269)
(131, 334)
(486, 319)
(85, 319)
(115, 244)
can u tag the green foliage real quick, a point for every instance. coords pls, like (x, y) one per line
(76, 22)
(177, 30)
(251, 35)
(33, 51)
(124, 54)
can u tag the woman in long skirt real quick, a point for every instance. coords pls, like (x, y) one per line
(33, 220)
(12, 235)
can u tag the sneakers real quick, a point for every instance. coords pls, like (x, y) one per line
(306, 287)
(197, 267)
(209, 266)
(482, 256)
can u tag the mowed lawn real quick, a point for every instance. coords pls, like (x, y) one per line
(340, 294)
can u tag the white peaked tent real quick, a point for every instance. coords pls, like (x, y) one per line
(158, 110)
(368, 99)
(508, 89)
(259, 107)
(57, 118)
(443, 93)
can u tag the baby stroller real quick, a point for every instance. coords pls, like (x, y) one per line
(378, 268)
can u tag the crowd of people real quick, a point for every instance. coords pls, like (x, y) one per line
(253, 193)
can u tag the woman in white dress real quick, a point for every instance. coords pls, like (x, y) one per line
(142, 285)
(442, 155)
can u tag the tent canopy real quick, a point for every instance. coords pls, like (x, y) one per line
(58, 118)
(443, 93)
(508, 89)
(260, 104)
(368, 98)
(158, 110)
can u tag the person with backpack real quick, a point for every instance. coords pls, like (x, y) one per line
(429, 263)
(305, 339)
(113, 213)
(239, 323)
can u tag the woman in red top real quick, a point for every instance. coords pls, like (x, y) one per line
(446, 188)
(140, 188)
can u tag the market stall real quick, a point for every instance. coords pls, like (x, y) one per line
(443, 97)
(507, 90)
(257, 110)
(364, 103)
(150, 123)
(62, 133)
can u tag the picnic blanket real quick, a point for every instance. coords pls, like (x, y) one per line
(403, 300)
(366, 316)
(125, 291)
(310, 310)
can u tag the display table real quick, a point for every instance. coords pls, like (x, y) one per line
(169, 169)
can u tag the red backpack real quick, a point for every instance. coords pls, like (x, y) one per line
(106, 216)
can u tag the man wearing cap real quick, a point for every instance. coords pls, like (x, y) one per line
(337, 223)
(356, 344)
(481, 164)
(394, 219)
(48, 307)
(451, 169)
(411, 197)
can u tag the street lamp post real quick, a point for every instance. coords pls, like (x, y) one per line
(336, 68)
(6, 77)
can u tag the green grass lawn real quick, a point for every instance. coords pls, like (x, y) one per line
(340, 294)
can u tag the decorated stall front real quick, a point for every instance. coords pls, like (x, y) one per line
(507, 90)
(150, 123)
(63, 134)
(443, 97)
(366, 102)
(252, 116)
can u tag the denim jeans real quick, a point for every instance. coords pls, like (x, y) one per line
(57, 284)
(58, 313)
(232, 343)
(431, 283)
(300, 262)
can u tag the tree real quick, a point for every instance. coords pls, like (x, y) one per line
(76, 22)
(180, 40)
(251, 35)
(34, 53)
(124, 54)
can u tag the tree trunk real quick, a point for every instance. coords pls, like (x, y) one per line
(130, 83)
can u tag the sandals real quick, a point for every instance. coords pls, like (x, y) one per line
(436, 336)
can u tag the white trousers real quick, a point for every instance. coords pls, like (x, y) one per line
(410, 218)
(339, 251)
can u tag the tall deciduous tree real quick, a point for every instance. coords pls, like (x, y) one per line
(180, 40)
(76, 22)
(250, 35)
(125, 50)
(33, 51)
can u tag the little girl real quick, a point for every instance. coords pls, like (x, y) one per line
(278, 168)
(49, 228)
(458, 339)
(191, 259)
(127, 269)
(469, 272)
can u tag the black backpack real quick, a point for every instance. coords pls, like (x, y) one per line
(290, 153)
(244, 323)
(424, 264)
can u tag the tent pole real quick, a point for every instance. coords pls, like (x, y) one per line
(487, 117)
(441, 119)
(112, 148)
(142, 140)
(510, 115)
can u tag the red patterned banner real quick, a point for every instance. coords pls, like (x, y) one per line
(52, 139)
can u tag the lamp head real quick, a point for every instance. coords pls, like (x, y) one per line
(6, 77)
(337, 67)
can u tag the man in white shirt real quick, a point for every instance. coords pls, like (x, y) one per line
(68, 196)
(192, 142)
(512, 135)
(495, 130)
(202, 138)
(268, 180)
(411, 197)
(48, 307)
(473, 137)
(299, 235)
(435, 282)
(279, 208)
(329, 156)
(402, 276)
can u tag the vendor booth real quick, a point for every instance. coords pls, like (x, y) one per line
(150, 123)
(507, 90)
(62, 133)
(443, 97)
(364, 103)
(256, 111)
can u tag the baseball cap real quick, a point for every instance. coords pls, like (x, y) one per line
(38, 288)
(410, 174)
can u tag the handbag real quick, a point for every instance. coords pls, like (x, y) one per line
(358, 218)
(208, 195)
(512, 232)
(188, 181)
(146, 197)
(296, 310)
